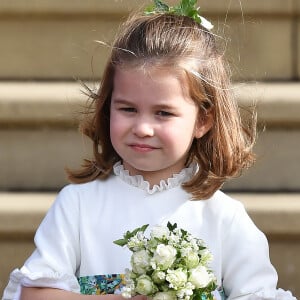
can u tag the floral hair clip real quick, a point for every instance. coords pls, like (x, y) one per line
(184, 8)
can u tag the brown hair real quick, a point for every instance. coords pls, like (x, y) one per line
(173, 41)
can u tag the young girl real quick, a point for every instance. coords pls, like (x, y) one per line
(166, 135)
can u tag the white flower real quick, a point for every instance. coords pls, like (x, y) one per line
(174, 239)
(145, 286)
(185, 251)
(194, 244)
(192, 259)
(178, 232)
(206, 256)
(164, 256)
(206, 24)
(127, 292)
(158, 276)
(137, 242)
(160, 232)
(186, 292)
(165, 296)
(140, 261)
(177, 278)
(200, 277)
(129, 277)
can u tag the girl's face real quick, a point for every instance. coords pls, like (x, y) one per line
(153, 122)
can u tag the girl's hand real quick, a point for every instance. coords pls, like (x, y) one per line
(139, 297)
(29, 293)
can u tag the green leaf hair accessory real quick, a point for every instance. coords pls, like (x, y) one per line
(184, 8)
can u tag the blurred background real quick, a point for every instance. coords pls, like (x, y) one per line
(46, 46)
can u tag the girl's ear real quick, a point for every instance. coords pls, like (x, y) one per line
(203, 124)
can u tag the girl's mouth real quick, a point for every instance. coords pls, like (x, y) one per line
(142, 147)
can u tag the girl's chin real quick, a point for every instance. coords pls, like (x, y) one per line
(138, 169)
(157, 170)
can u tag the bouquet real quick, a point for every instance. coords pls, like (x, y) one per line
(169, 265)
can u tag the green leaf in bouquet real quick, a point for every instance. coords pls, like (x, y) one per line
(140, 229)
(121, 242)
(171, 226)
(184, 233)
(129, 234)
(205, 293)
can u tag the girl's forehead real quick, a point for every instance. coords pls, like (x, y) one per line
(156, 72)
(152, 79)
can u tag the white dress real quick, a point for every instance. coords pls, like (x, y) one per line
(75, 240)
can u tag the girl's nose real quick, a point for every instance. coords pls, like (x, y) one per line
(143, 129)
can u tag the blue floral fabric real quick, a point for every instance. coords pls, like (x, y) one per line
(101, 284)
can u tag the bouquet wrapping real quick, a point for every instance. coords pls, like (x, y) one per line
(170, 264)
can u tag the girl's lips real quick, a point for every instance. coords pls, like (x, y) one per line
(142, 147)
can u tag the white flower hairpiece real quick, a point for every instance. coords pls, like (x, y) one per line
(184, 8)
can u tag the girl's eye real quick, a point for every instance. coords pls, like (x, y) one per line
(127, 109)
(163, 113)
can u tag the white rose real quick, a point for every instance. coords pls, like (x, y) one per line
(140, 261)
(200, 277)
(164, 256)
(192, 260)
(177, 278)
(165, 296)
(158, 276)
(160, 232)
(145, 286)
(206, 256)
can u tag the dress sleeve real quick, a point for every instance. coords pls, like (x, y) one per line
(247, 271)
(57, 255)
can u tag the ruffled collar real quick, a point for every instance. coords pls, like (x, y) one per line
(139, 182)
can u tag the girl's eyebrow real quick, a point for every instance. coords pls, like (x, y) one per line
(158, 106)
(165, 107)
(121, 101)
